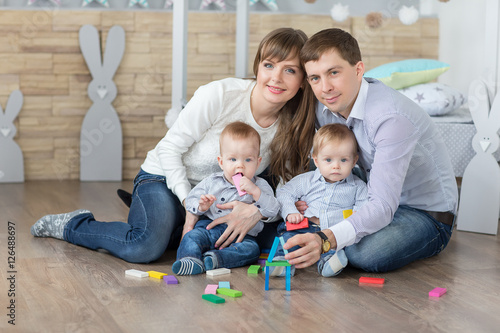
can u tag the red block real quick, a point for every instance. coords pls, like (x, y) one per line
(371, 280)
(294, 226)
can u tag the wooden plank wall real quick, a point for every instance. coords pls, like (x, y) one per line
(40, 55)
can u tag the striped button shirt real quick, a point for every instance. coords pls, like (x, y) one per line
(326, 201)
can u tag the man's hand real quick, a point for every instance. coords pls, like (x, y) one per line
(310, 248)
(239, 222)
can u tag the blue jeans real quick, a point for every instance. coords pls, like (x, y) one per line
(411, 235)
(199, 243)
(155, 213)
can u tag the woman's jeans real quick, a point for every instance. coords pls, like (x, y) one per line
(411, 235)
(199, 242)
(155, 213)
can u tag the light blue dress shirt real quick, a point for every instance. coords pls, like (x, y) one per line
(403, 155)
(224, 192)
(326, 201)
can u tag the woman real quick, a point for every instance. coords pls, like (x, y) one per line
(275, 101)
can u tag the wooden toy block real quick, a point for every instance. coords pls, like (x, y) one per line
(236, 180)
(218, 271)
(229, 292)
(278, 263)
(437, 292)
(213, 298)
(371, 280)
(346, 213)
(156, 275)
(273, 249)
(264, 256)
(170, 279)
(265, 251)
(211, 289)
(295, 226)
(253, 269)
(267, 278)
(282, 241)
(262, 262)
(136, 273)
(288, 277)
(224, 284)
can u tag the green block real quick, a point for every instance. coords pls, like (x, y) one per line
(229, 292)
(277, 263)
(213, 298)
(253, 269)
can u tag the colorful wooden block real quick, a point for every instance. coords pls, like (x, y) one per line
(236, 180)
(211, 289)
(278, 263)
(224, 284)
(295, 226)
(156, 275)
(218, 271)
(264, 256)
(273, 249)
(170, 279)
(437, 292)
(282, 241)
(136, 273)
(213, 298)
(265, 251)
(371, 280)
(346, 213)
(262, 262)
(229, 292)
(253, 269)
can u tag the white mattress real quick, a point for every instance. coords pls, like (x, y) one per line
(457, 129)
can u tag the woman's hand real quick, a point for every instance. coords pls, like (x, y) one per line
(310, 248)
(239, 222)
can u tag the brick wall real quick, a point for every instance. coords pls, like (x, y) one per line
(40, 55)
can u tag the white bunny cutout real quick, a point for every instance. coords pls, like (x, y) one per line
(479, 206)
(101, 135)
(11, 161)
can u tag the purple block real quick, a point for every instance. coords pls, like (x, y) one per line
(170, 279)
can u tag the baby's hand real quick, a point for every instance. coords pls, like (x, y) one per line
(295, 218)
(248, 186)
(206, 200)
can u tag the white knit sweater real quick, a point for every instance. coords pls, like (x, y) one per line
(188, 152)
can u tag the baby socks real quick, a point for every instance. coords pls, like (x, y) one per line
(188, 266)
(332, 265)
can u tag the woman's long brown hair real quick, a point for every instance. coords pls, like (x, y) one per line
(291, 146)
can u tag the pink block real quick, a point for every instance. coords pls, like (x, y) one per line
(211, 289)
(236, 180)
(437, 292)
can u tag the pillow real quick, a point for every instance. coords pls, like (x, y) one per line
(436, 99)
(406, 73)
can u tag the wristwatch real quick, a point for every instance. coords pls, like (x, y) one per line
(325, 247)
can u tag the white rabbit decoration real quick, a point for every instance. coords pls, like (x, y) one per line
(101, 134)
(480, 194)
(11, 156)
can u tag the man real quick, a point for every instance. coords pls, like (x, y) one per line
(412, 189)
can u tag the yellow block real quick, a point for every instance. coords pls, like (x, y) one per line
(346, 213)
(157, 275)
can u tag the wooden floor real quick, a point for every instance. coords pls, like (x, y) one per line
(60, 287)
